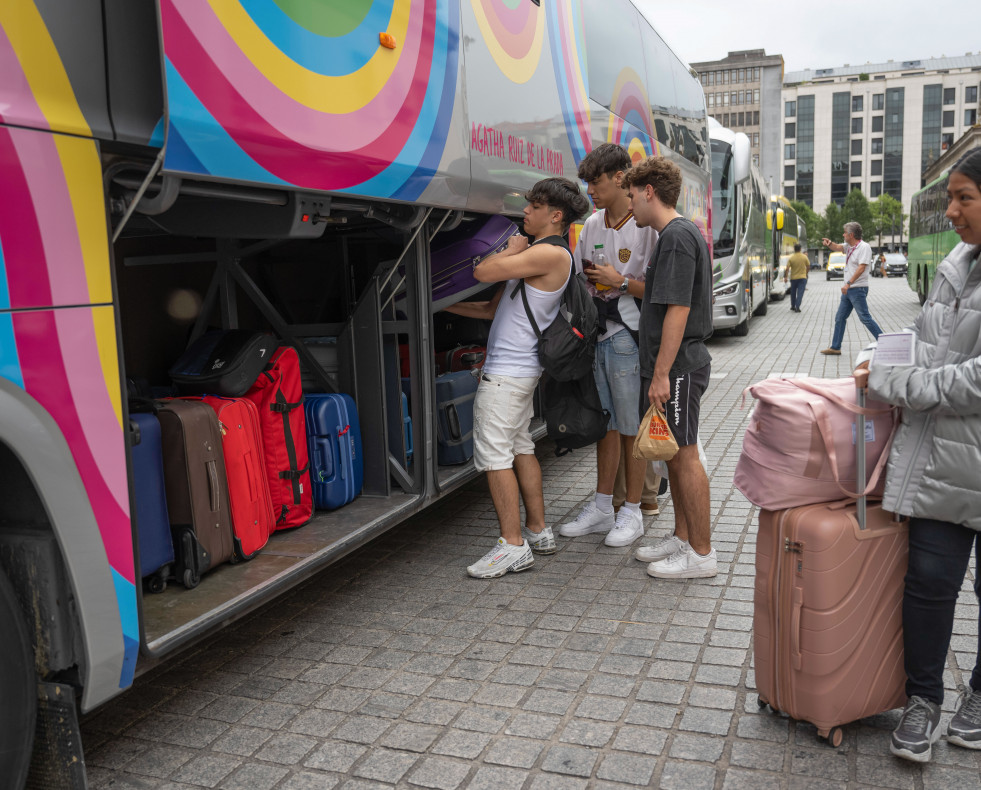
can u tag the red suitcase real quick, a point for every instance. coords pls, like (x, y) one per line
(466, 357)
(253, 520)
(278, 396)
(827, 619)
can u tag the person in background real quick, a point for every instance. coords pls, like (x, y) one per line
(797, 267)
(503, 406)
(933, 477)
(615, 285)
(675, 322)
(855, 289)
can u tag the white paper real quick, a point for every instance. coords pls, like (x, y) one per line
(894, 348)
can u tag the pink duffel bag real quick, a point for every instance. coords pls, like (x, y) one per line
(799, 448)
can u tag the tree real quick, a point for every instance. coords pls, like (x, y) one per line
(887, 216)
(856, 209)
(834, 222)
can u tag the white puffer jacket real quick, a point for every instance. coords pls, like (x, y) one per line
(935, 464)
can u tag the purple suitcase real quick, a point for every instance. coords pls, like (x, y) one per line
(456, 252)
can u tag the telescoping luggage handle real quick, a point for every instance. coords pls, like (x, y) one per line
(861, 386)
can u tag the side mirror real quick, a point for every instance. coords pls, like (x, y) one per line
(740, 158)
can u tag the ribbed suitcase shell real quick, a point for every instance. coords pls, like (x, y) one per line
(827, 619)
(150, 496)
(197, 489)
(455, 394)
(278, 396)
(456, 252)
(253, 520)
(334, 443)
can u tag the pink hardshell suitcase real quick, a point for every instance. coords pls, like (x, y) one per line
(827, 620)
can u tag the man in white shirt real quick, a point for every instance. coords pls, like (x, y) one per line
(855, 290)
(616, 286)
(502, 443)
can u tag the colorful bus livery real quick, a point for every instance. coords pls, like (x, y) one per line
(180, 166)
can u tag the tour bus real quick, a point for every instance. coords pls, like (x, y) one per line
(785, 229)
(931, 236)
(739, 208)
(177, 166)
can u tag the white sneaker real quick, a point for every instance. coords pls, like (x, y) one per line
(661, 550)
(685, 564)
(590, 519)
(541, 542)
(628, 527)
(502, 558)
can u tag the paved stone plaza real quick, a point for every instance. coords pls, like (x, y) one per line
(393, 668)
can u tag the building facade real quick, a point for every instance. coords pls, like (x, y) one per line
(742, 92)
(876, 127)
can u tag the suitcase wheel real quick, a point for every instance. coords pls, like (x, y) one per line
(834, 736)
(191, 579)
(761, 702)
(157, 583)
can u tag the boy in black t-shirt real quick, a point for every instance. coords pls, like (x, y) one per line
(675, 321)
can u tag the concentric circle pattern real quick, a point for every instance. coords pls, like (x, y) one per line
(301, 93)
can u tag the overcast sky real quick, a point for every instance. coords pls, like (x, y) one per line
(816, 35)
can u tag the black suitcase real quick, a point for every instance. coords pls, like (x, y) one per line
(223, 363)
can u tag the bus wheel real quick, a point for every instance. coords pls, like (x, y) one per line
(742, 328)
(761, 308)
(922, 289)
(18, 690)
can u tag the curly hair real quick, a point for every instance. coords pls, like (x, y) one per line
(662, 174)
(560, 194)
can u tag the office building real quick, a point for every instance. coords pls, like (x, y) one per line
(742, 92)
(876, 127)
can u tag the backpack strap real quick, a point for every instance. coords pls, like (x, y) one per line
(524, 297)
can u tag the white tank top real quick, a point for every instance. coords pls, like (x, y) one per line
(512, 346)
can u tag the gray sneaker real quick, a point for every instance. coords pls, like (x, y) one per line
(502, 558)
(541, 542)
(965, 728)
(918, 730)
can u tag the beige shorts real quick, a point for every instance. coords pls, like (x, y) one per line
(502, 413)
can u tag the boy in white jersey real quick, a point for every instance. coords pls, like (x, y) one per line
(615, 286)
(503, 406)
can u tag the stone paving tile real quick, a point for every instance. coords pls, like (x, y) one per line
(393, 668)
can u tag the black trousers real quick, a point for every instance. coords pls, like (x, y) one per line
(938, 555)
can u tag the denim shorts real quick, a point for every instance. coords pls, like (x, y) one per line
(617, 374)
(502, 413)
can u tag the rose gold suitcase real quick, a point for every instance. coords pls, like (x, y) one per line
(827, 621)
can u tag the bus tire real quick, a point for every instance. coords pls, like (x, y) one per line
(922, 289)
(762, 307)
(18, 690)
(741, 329)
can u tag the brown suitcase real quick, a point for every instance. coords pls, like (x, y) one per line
(827, 619)
(197, 489)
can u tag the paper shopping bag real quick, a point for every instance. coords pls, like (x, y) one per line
(654, 441)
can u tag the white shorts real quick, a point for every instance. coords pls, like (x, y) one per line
(502, 413)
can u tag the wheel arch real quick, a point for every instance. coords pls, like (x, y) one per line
(35, 451)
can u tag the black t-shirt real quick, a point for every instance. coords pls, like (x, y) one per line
(679, 273)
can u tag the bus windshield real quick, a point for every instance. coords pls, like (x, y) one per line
(723, 200)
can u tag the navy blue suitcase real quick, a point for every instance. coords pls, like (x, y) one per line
(454, 417)
(152, 520)
(334, 441)
(407, 428)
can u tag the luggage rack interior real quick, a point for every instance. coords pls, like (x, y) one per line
(208, 256)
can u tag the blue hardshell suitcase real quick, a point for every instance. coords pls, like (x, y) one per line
(152, 520)
(455, 393)
(334, 441)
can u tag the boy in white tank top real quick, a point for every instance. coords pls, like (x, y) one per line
(503, 406)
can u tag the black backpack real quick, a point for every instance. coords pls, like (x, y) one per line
(567, 347)
(574, 416)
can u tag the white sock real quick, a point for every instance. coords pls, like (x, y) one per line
(632, 506)
(604, 503)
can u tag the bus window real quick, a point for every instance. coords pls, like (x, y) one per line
(611, 27)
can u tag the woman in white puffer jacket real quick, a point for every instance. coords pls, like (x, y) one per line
(934, 473)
